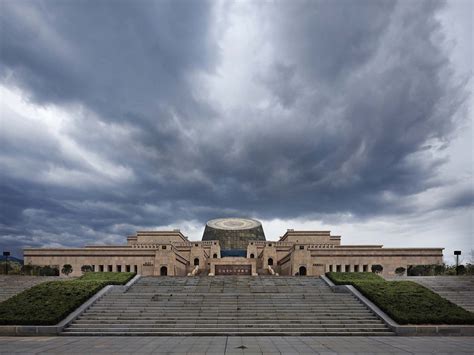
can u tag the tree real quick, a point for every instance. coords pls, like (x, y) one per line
(377, 268)
(27, 269)
(86, 268)
(400, 271)
(67, 269)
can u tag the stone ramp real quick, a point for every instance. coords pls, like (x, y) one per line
(11, 285)
(457, 289)
(228, 305)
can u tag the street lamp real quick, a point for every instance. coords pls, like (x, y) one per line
(6, 254)
(457, 253)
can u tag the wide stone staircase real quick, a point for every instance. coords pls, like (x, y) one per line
(228, 305)
(10, 285)
(457, 289)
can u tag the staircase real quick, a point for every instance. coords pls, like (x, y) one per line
(10, 285)
(457, 289)
(228, 305)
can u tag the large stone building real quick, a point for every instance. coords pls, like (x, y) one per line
(233, 246)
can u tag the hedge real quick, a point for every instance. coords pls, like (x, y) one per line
(50, 302)
(406, 302)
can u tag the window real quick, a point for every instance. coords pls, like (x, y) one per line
(101, 268)
(365, 268)
(270, 244)
(109, 268)
(338, 268)
(270, 261)
(119, 268)
(196, 245)
(196, 262)
(348, 268)
(215, 256)
(127, 268)
(163, 247)
(302, 271)
(301, 247)
(135, 268)
(330, 268)
(252, 256)
(356, 268)
(93, 267)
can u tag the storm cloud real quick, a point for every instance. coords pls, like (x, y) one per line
(124, 115)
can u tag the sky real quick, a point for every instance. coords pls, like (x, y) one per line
(349, 116)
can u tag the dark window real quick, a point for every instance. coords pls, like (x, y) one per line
(163, 271)
(93, 267)
(302, 271)
(330, 268)
(252, 256)
(356, 268)
(215, 256)
(196, 245)
(127, 268)
(135, 268)
(251, 243)
(338, 268)
(270, 261)
(196, 262)
(301, 247)
(270, 244)
(348, 268)
(163, 247)
(365, 268)
(101, 268)
(119, 268)
(109, 268)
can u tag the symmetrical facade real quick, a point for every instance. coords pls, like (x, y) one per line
(233, 246)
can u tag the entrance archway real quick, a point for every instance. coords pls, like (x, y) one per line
(196, 262)
(302, 271)
(163, 271)
(270, 261)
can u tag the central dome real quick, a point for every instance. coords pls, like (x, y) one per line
(233, 233)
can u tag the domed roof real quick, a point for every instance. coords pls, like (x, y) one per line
(233, 223)
(233, 233)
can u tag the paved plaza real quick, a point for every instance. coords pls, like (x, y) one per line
(237, 345)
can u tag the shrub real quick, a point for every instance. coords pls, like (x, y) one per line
(49, 270)
(461, 270)
(27, 269)
(67, 269)
(400, 271)
(377, 268)
(86, 268)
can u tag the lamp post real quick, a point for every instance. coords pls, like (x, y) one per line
(457, 253)
(6, 254)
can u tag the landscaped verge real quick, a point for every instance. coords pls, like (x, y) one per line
(406, 302)
(48, 303)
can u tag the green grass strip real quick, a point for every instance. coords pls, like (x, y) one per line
(50, 302)
(406, 302)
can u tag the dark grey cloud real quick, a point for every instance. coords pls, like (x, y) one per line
(354, 93)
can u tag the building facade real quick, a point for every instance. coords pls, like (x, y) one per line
(233, 246)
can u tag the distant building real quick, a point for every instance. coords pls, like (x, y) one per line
(233, 246)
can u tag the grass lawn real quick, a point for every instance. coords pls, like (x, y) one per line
(405, 301)
(50, 302)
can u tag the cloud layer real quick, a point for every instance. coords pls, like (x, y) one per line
(147, 114)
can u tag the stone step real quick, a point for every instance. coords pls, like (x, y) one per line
(226, 332)
(227, 321)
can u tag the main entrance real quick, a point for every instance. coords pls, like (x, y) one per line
(233, 269)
